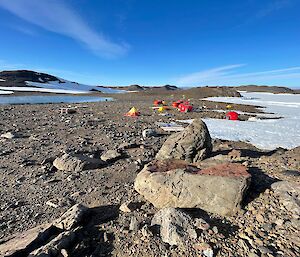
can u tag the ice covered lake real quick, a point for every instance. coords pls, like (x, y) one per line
(264, 134)
(37, 99)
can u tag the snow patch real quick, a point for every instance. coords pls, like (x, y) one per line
(70, 87)
(44, 90)
(2, 92)
(265, 134)
(2, 80)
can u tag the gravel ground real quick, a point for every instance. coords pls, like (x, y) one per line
(29, 185)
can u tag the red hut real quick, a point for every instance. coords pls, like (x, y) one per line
(232, 116)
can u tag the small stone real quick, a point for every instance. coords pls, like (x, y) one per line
(264, 250)
(175, 226)
(125, 207)
(64, 253)
(149, 133)
(134, 224)
(215, 229)
(235, 154)
(111, 155)
(105, 237)
(72, 177)
(51, 203)
(146, 232)
(205, 249)
(76, 162)
(201, 224)
(267, 227)
(260, 218)
(279, 222)
(10, 135)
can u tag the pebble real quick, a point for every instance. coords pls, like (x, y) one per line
(134, 224)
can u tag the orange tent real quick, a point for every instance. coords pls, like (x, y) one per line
(132, 113)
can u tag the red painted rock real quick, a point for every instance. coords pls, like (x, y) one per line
(174, 183)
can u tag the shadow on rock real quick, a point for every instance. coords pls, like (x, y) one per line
(92, 241)
(260, 181)
(224, 227)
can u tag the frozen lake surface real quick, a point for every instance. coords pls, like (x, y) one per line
(265, 134)
(51, 99)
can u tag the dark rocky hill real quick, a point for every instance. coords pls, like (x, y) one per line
(17, 78)
(211, 92)
(270, 89)
(134, 88)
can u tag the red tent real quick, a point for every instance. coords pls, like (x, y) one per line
(232, 116)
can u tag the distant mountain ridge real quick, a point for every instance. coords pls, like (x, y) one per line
(270, 89)
(31, 81)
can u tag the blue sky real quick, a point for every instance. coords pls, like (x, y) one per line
(154, 42)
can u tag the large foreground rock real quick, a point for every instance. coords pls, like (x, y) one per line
(192, 144)
(174, 183)
(176, 227)
(76, 162)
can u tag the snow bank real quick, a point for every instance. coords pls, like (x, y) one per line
(45, 90)
(2, 92)
(71, 87)
(265, 134)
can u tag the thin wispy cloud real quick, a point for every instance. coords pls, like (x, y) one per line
(25, 30)
(226, 75)
(57, 17)
(207, 75)
(273, 6)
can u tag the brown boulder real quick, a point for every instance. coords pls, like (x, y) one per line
(175, 183)
(192, 144)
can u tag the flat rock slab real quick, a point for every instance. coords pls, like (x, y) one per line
(175, 183)
(192, 144)
(76, 162)
(47, 239)
(23, 243)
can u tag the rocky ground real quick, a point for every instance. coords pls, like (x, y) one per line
(36, 190)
